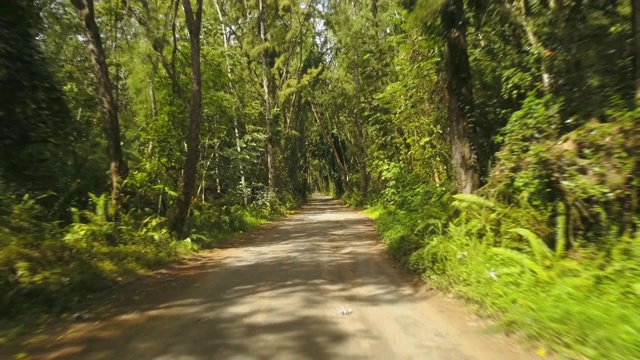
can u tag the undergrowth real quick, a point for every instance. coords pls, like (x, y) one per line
(581, 305)
(549, 247)
(48, 268)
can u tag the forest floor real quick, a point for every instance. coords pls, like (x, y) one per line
(276, 293)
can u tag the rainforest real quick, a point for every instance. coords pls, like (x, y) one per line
(495, 143)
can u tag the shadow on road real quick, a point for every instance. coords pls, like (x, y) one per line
(275, 296)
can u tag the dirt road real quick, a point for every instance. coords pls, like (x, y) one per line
(277, 295)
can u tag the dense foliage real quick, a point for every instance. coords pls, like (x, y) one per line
(549, 243)
(111, 87)
(495, 141)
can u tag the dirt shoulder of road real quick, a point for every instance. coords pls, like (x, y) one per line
(17, 334)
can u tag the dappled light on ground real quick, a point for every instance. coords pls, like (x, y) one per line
(277, 296)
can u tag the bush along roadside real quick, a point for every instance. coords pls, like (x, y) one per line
(576, 301)
(549, 246)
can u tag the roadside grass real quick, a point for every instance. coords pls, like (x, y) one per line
(574, 302)
(46, 271)
(373, 211)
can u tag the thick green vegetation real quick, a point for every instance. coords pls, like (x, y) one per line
(496, 142)
(549, 242)
(67, 229)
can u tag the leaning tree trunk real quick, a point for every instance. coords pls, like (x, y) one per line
(110, 124)
(189, 173)
(459, 95)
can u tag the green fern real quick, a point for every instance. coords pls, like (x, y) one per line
(540, 250)
(434, 224)
(525, 261)
(102, 204)
(473, 199)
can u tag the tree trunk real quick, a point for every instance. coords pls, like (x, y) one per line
(536, 45)
(635, 5)
(216, 154)
(189, 173)
(174, 49)
(459, 95)
(364, 173)
(205, 168)
(267, 101)
(110, 124)
(225, 38)
(152, 91)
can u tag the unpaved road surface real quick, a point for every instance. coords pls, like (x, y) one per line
(277, 295)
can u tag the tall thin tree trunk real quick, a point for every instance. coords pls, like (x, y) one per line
(343, 150)
(110, 124)
(189, 174)
(225, 38)
(635, 5)
(307, 182)
(217, 170)
(152, 91)
(216, 155)
(459, 95)
(114, 51)
(364, 173)
(154, 112)
(243, 182)
(536, 45)
(174, 49)
(205, 168)
(152, 95)
(267, 99)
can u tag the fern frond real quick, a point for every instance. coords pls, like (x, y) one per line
(473, 199)
(525, 261)
(540, 250)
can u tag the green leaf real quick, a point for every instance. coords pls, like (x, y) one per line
(474, 199)
(523, 260)
(540, 250)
